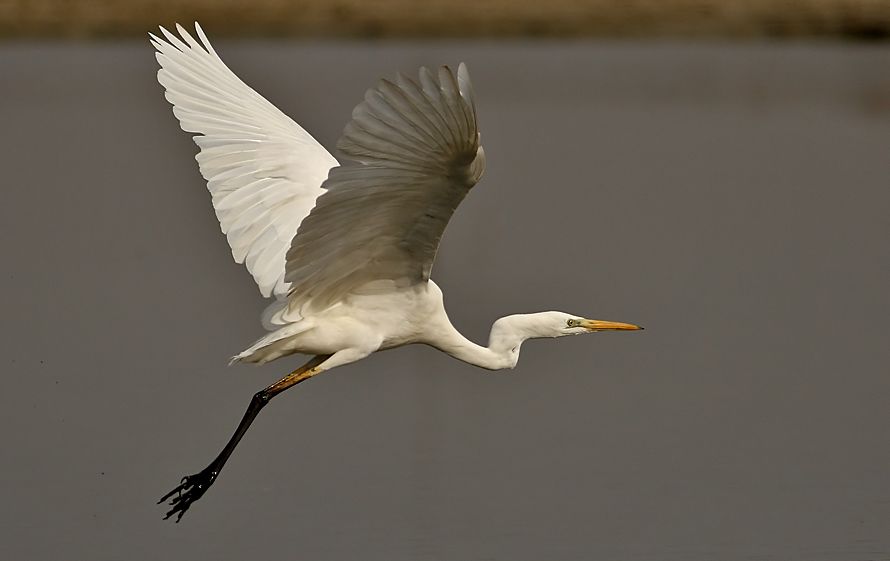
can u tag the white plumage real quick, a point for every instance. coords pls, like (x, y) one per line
(262, 169)
(345, 250)
(415, 155)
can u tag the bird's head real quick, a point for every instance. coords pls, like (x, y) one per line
(512, 330)
(560, 324)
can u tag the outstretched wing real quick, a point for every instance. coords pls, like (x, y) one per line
(263, 170)
(415, 155)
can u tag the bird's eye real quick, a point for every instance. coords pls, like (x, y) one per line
(571, 323)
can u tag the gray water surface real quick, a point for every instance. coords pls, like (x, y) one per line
(731, 198)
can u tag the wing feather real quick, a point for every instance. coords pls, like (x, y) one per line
(415, 154)
(263, 171)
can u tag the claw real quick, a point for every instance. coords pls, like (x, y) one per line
(176, 490)
(190, 489)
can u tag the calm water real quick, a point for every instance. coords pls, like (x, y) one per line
(731, 198)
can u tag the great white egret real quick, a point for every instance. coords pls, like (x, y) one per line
(345, 249)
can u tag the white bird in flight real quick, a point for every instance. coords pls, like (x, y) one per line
(345, 249)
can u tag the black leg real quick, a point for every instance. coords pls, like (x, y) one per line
(193, 487)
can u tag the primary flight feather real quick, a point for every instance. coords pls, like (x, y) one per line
(346, 250)
(262, 169)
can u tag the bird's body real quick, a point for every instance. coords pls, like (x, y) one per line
(368, 321)
(345, 249)
(365, 321)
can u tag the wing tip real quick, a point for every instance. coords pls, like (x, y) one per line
(465, 85)
(177, 41)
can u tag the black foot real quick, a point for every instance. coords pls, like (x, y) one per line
(189, 490)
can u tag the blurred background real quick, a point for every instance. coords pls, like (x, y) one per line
(714, 170)
(857, 19)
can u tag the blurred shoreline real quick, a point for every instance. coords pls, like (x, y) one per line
(861, 20)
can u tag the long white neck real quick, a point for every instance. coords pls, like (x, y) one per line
(503, 344)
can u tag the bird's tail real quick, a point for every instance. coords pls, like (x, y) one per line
(273, 345)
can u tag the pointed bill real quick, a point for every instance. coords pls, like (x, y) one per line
(603, 325)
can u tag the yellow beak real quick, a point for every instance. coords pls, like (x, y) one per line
(602, 325)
